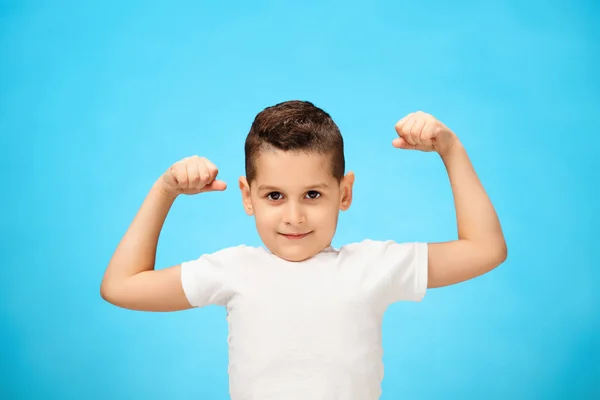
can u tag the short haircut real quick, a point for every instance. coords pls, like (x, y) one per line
(295, 126)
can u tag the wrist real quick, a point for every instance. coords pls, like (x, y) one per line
(454, 149)
(160, 188)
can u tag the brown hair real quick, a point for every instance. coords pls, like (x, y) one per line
(295, 126)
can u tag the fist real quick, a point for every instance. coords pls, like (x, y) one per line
(422, 131)
(192, 175)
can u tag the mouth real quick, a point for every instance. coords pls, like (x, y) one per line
(295, 236)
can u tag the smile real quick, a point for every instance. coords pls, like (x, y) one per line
(294, 236)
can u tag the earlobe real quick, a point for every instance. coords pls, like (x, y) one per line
(246, 198)
(346, 191)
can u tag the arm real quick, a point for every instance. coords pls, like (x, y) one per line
(480, 246)
(130, 280)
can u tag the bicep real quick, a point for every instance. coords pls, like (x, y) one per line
(460, 260)
(156, 290)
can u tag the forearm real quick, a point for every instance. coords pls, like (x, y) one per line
(476, 218)
(137, 250)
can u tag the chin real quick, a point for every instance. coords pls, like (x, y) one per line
(294, 250)
(293, 255)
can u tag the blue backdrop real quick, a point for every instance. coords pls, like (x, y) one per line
(96, 101)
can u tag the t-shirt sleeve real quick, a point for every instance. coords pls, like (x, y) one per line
(393, 271)
(208, 280)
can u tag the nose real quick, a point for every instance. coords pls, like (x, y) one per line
(293, 214)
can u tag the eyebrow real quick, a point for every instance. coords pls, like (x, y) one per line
(273, 188)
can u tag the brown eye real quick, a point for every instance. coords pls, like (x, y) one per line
(313, 194)
(274, 196)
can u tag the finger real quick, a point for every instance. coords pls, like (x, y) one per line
(427, 135)
(193, 175)
(400, 124)
(406, 132)
(204, 175)
(180, 174)
(212, 169)
(416, 130)
(215, 186)
(400, 143)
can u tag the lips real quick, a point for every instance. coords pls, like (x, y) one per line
(294, 236)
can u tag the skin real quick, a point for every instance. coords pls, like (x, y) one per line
(290, 205)
(295, 201)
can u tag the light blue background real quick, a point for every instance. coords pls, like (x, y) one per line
(96, 101)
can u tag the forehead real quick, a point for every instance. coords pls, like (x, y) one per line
(292, 168)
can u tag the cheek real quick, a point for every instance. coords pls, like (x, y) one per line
(325, 214)
(266, 215)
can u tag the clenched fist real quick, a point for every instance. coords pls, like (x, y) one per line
(192, 175)
(422, 131)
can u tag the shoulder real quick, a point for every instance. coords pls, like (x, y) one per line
(394, 270)
(367, 245)
(231, 256)
(377, 249)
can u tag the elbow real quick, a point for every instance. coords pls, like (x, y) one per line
(500, 253)
(104, 292)
(503, 250)
(492, 255)
(111, 296)
(107, 293)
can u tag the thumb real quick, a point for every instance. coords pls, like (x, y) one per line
(400, 143)
(215, 186)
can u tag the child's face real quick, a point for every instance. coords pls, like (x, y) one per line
(295, 201)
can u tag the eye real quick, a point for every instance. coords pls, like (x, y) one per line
(313, 194)
(274, 196)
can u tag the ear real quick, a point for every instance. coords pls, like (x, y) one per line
(346, 191)
(246, 199)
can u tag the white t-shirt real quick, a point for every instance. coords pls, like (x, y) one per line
(307, 330)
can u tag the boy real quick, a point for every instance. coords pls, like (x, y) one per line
(304, 318)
